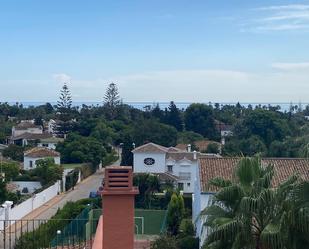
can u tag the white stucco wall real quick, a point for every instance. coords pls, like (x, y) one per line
(186, 167)
(140, 167)
(34, 159)
(16, 133)
(31, 186)
(24, 208)
(199, 202)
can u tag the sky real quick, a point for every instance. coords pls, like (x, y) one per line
(155, 50)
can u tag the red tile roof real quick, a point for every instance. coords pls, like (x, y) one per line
(41, 152)
(210, 168)
(151, 147)
(26, 125)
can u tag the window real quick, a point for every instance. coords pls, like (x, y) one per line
(30, 164)
(149, 161)
(45, 145)
(185, 176)
(170, 168)
(188, 184)
(180, 186)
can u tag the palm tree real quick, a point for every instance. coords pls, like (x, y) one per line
(248, 213)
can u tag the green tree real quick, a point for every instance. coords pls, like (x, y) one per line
(11, 170)
(147, 185)
(175, 213)
(14, 152)
(174, 117)
(48, 171)
(3, 191)
(250, 213)
(80, 149)
(213, 148)
(188, 137)
(111, 100)
(64, 112)
(268, 125)
(153, 131)
(127, 147)
(200, 119)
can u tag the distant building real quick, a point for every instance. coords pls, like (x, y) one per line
(37, 153)
(26, 126)
(224, 129)
(50, 142)
(29, 138)
(209, 168)
(172, 164)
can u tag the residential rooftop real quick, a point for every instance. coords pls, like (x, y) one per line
(224, 167)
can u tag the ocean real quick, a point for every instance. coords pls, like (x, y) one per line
(284, 106)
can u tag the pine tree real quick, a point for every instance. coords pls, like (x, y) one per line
(112, 100)
(64, 112)
(65, 100)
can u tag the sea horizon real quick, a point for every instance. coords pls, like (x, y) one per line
(284, 106)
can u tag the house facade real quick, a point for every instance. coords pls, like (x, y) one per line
(26, 126)
(50, 142)
(33, 155)
(178, 164)
(209, 168)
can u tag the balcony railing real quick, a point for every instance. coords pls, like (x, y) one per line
(38, 234)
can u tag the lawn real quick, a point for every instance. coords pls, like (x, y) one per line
(71, 165)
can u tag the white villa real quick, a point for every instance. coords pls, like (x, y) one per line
(209, 168)
(173, 163)
(37, 153)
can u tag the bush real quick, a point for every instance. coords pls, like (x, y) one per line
(164, 242)
(25, 190)
(187, 228)
(175, 213)
(188, 242)
(42, 236)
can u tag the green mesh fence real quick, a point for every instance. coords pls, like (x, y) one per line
(81, 229)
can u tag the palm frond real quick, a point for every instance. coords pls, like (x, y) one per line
(224, 232)
(220, 182)
(230, 194)
(271, 237)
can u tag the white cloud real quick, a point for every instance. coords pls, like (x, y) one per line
(62, 77)
(286, 7)
(294, 17)
(291, 66)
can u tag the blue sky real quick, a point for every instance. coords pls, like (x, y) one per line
(155, 50)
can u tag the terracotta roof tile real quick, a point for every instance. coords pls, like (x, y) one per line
(32, 136)
(210, 168)
(151, 147)
(27, 125)
(41, 152)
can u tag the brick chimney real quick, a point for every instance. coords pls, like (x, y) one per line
(118, 208)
